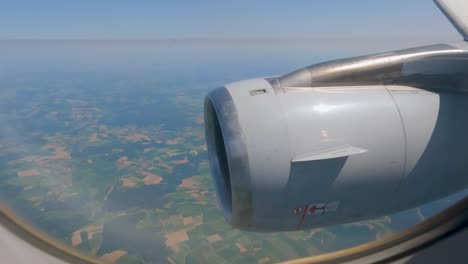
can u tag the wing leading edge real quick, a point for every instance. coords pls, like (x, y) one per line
(457, 12)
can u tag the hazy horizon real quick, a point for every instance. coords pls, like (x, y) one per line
(365, 19)
(193, 55)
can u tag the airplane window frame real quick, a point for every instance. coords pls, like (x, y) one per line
(452, 220)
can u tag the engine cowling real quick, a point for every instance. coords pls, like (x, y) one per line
(341, 141)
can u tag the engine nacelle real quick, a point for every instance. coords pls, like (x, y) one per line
(340, 141)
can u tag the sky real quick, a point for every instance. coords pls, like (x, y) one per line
(249, 19)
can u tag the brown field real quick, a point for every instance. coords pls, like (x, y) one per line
(190, 183)
(123, 162)
(137, 138)
(150, 178)
(182, 161)
(241, 248)
(174, 141)
(172, 219)
(129, 182)
(76, 238)
(214, 238)
(175, 238)
(90, 230)
(161, 164)
(193, 220)
(60, 152)
(164, 150)
(93, 138)
(172, 152)
(28, 173)
(146, 150)
(113, 256)
(200, 120)
(195, 195)
(168, 168)
(200, 198)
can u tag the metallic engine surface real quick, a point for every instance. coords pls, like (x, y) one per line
(415, 67)
(342, 141)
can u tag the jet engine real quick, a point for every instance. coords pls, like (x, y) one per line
(341, 141)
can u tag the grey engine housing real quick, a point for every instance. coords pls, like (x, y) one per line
(341, 141)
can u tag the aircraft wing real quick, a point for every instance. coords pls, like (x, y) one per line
(457, 12)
